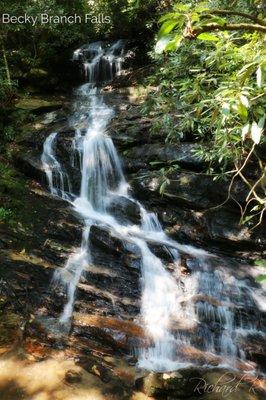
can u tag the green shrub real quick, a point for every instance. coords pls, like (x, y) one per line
(5, 214)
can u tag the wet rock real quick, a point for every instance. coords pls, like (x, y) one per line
(188, 189)
(29, 162)
(125, 210)
(218, 384)
(178, 384)
(68, 227)
(111, 340)
(255, 348)
(64, 142)
(128, 133)
(38, 104)
(112, 281)
(188, 211)
(223, 225)
(151, 384)
(218, 228)
(102, 238)
(162, 252)
(120, 335)
(73, 376)
(129, 328)
(94, 368)
(212, 384)
(144, 156)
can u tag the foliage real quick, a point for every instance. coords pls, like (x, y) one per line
(5, 214)
(12, 192)
(261, 263)
(211, 89)
(50, 45)
(8, 91)
(9, 182)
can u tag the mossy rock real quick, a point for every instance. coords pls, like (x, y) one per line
(37, 73)
(39, 104)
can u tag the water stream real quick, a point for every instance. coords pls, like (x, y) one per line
(196, 310)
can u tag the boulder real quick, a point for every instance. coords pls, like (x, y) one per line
(113, 277)
(125, 210)
(218, 228)
(101, 238)
(73, 376)
(255, 347)
(210, 384)
(129, 133)
(177, 384)
(39, 105)
(118, 334)
(29, 162)
(153, 154)
(193, 190)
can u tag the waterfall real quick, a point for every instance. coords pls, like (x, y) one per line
(58, 180)
(197, 309)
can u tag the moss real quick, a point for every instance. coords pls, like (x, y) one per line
(33, 104)
(13, 189)
(9, 325)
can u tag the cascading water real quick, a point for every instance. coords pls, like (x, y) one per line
(58, 180)
(198, 309)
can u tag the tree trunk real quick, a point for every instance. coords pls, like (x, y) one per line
(8, 77)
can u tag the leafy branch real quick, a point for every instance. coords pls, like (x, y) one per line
(192, 33)
(239, 14)
(212, 90)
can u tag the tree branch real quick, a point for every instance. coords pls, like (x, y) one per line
(191, 33)
(239, 14)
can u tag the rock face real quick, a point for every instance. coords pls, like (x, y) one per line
(125, 210)
(154, 154)
(191, 383)
(39, 105)
(190, 205)
(106, 315)
(191, 208)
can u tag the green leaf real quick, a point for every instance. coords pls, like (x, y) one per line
(202, 6)
(208, 37)
(167, 27)
(168, 16)
(260, 263)
(181, 7)
(247, 218)
(194, 17)
(174, 44)
(262, 122)
(155, 162)
(242, 110)
(163, 186)
(261, 278)
(217, 20)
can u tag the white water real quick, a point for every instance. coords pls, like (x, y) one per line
(169, 313)
(58, 180)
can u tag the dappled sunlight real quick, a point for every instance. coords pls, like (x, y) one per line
(127, 327)
(46, 381)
